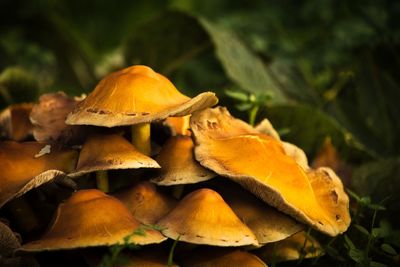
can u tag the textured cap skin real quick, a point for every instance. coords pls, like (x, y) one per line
(145, 203)
(14, 122)
(8, 241)
(222, 257)
(136, 94)
(178, 165)
(225, 146)
(291, 248)
(203, 217)
(21, 170)
(110, 152)
(91, 218)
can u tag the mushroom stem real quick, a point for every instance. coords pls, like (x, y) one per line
(177, 191)
(25, 219)
(102, 181)
(141, 137)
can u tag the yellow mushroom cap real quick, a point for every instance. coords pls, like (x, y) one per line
(203, 217)
(178, 165)
(23, 167)
(109, 152)
(292, 248)
(146, 203)
(221, 257)
(268, 224)
(259, 163)
(136, 94)
(91, 218)
(14, 122)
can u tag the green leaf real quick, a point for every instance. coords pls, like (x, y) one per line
(362, 229)
(388, 249)
(240, 63)
(238, 95)
(377, 264)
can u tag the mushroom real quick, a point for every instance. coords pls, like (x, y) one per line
(23, 167)
(258, 162)
(90, 218)
(103, 152)
(178, 165)
(136, 96)
(300, 245)
(203, 217)
(178, 125)
(14, 122)
(145, 202)
(221, 257)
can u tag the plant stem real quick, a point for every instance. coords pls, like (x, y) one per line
(141, 137)
(102, 181)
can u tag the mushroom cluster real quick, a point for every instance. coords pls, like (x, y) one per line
(136, 162)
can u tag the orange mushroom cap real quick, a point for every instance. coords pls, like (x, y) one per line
(109, 152)
(23, 167)
(146, 203)
(136, 94)
(14, 122)
(203, 217)
(292, 248)
(178, 165)
(91, 218)
(222, 257)
(259, 163)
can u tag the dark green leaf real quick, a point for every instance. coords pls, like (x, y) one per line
(362, 229)
(388, 249)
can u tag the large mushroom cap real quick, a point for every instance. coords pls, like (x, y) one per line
(135, 95)
(227, 145)
(23, 167)
(300, 245)
(91, 218)
(178, 165)
(14, 122)
(221, 257)
(146, 203)
(203, 217)
(110, 152)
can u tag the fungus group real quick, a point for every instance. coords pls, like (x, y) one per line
(168, 169)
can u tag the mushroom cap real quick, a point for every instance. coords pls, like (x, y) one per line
(146, 258)
(8, 241)
(91, 218)
(268, 224)
(273, 176)
(222, 257)
(48, 117)
(203, 217)
(266, 127)
(103, 152)
(146, 203)
(179, 125)
(178, 165)
(22, 169)
(292, 248)
(147, 96)
(14, 122)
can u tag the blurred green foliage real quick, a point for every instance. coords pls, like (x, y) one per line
(315, 68)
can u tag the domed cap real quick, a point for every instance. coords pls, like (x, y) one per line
(14, 122)
(25, 166)
(146, 203)
(221, 257)
(300, 245)
(273, 176)
(91, 218)
(178, 165)
(135, 95)
(109, 152)
(203, 217)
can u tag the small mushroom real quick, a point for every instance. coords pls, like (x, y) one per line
(145, 202)
(136, 96)
(203, 217)
(179, 125)
(300, 245)
(258, 162)
(221, 257)
(178, 165)
(14, 122)
(90, 218)
(21, 171)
